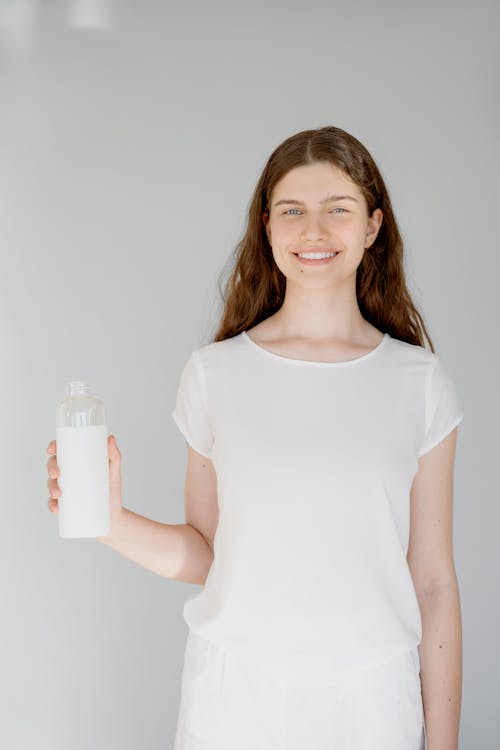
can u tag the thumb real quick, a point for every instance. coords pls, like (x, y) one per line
(115, 458)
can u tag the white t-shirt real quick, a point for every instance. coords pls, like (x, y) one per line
(314, 464)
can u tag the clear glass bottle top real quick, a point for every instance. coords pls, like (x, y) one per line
(79, 387)
(81, 407)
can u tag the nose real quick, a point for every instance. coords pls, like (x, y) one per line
(314, 228)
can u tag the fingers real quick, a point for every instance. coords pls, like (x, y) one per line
(52, 467)
(114, 454)
(55, 493)
(113, 446)
(53, 488)
(52, 483)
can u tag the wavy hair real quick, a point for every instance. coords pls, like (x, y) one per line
(255, 288)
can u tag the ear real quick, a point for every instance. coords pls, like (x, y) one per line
(374, 224)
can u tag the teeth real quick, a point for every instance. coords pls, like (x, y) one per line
(316, 255)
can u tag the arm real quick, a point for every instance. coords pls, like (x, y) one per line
(441, 665)
(430, 558)
(180, 551)
(175, 551)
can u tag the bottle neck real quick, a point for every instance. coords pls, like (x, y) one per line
(79, 388)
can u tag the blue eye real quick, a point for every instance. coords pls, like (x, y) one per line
(337, 208)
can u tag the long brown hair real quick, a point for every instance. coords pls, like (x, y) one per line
(255, 288)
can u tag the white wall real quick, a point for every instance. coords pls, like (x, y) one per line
(131, 138)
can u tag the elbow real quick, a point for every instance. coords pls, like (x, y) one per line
(210, 559)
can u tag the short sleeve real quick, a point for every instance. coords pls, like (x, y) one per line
(190, 412)
(443, 406)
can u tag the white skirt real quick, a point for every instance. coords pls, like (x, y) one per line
(231, 703)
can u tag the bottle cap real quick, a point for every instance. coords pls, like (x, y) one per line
(80, 387)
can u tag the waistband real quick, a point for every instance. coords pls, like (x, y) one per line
(211, 649)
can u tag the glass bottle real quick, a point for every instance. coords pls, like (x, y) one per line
(82, 458)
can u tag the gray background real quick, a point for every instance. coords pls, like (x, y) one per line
(131, 138)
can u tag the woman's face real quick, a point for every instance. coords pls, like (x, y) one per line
(310, 219)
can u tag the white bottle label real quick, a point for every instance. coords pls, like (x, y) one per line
(82, 458)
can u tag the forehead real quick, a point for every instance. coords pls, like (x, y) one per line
(315, 181)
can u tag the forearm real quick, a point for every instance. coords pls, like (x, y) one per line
(441, 666)
(176, 551)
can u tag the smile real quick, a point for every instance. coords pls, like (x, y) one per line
(316, 259)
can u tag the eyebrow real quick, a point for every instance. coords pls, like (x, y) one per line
(326, 200)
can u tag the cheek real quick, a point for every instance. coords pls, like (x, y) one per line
(283, 259)
(283, 238)
(284, 228)
(352, 234)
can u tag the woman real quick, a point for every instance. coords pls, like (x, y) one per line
(329, 427)
(319, 488)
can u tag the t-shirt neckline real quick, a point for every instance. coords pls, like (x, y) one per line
(292, 360)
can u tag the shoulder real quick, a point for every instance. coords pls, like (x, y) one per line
(419, 359)
(412, 357)
(218, 352)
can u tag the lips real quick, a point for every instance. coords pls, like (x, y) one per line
(318, 251)
(318, 261)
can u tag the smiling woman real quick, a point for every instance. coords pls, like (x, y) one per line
(329, 431)
(332, 231)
